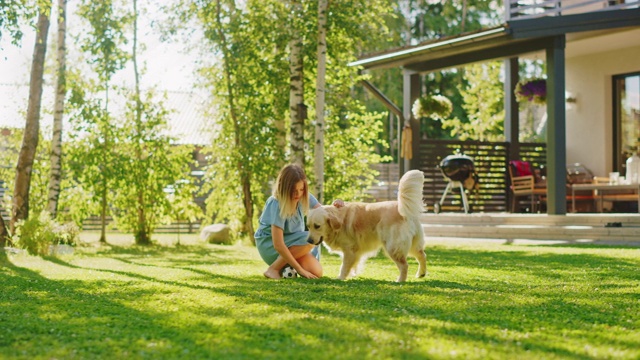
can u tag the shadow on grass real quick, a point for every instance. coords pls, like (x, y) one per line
(78, 319)
(473, 304)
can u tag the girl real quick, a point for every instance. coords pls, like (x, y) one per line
(281, 238)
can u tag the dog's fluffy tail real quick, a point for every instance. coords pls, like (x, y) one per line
(410, 193)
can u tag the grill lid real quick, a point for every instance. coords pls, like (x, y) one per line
(457, 167)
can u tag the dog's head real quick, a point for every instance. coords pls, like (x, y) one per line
(322, 223)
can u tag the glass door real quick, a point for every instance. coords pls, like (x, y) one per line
(626, 109)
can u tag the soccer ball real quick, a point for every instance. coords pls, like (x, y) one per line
(289, 272)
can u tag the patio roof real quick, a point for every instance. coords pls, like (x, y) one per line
(508, 40)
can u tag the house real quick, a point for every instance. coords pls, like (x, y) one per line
(591, 49)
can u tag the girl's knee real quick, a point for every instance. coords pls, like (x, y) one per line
(311, 264)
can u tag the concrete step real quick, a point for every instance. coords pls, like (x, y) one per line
(573, 227)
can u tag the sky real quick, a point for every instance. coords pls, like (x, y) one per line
(168, 67)
(167, 64)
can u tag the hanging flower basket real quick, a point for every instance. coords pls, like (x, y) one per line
(432, 106)
(532, 90)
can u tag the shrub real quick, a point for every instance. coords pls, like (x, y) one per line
(38, 232)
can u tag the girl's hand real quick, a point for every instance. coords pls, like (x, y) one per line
(307, 274)
(338, 203)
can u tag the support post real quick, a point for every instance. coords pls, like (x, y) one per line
(511, 108)
(411, 91)
(556, 129)
(511, 119)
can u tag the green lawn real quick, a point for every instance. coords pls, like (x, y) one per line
(200, 301)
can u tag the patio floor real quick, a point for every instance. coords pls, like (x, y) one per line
(608, 228)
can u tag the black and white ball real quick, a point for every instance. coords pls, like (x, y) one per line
(289, 272)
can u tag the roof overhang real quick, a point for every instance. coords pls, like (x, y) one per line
(509, 40)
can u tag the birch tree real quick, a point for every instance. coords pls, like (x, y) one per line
(320, 99)
(297, 108)
(11, 15)
(29, 146)
(61, 88)
(141, 235)
(249, 84)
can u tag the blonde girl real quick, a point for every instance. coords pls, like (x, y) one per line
(281, 238)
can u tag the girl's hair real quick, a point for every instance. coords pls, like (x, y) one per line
(285, 186)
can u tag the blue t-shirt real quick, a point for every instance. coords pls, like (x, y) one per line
(271, 216)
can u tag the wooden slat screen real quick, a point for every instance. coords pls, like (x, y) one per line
(490, 160)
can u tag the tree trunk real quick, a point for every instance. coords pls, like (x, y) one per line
(297, 109)
(141, 236)
(320, 100)
(32, 127)
(245, 178)
(103, 211)
(56, 141)
(4, 234)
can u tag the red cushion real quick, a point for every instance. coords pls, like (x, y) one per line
(521, 168)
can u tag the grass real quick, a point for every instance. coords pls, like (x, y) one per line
(200, 301)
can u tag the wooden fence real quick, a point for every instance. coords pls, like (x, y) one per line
(93, 223)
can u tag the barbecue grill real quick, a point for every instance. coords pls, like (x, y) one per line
(460, 171)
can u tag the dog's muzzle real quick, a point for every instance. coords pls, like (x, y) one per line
(312, 242)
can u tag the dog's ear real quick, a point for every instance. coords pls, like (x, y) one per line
(334, 222)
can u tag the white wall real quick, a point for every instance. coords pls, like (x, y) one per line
(590, 122)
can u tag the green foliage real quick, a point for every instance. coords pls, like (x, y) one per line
(256, 36)
(76, 203)
(484, 104)
(437, 107)
(147, 164)
(9, 151)
(104, 37)
(246, 147)
(91, 155)
(413, 22)
(13, 14)
(532, 114)
(480, 300)
(346, 177)
(38, 232)
(10, 141)
(353, 135)
(181, 205)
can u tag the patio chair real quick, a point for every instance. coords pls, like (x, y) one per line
(524, 184)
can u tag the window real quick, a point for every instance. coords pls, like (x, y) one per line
(626, 117)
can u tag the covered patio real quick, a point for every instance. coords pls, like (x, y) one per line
(515, 38)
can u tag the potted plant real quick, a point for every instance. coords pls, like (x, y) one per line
(437, 107)
(532, 90)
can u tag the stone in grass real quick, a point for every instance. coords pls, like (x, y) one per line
(14, 251)
(216, 234)
(61, 250)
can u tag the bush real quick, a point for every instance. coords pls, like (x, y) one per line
(38, 232)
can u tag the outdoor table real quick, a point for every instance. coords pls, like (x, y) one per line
(602, 188)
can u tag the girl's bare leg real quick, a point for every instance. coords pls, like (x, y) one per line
(273, 271)
(298, 252)
(311, 264)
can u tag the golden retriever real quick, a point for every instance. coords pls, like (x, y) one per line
(357, 230)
